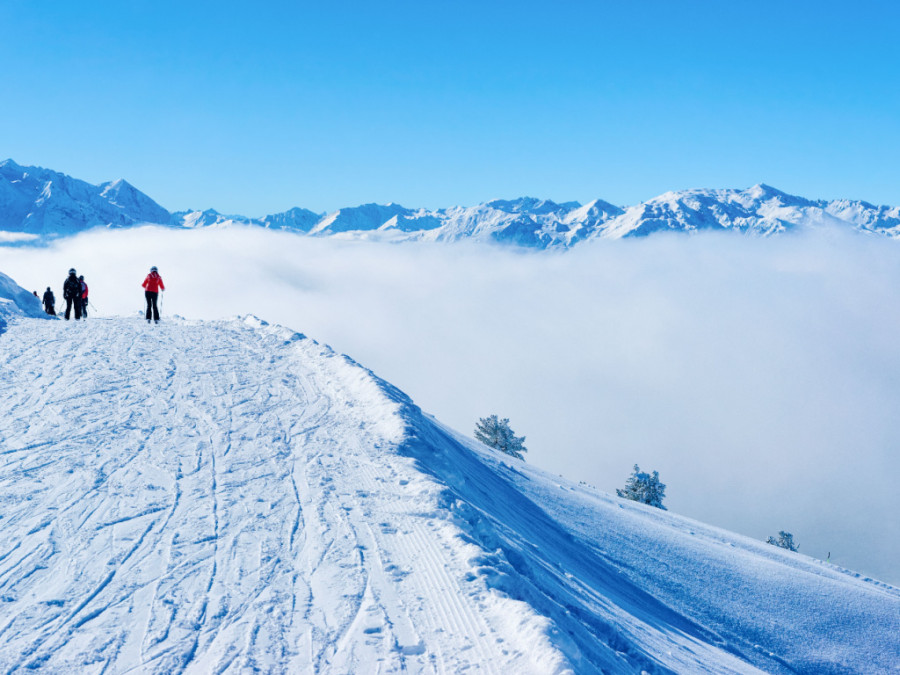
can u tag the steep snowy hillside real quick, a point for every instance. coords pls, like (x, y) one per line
(40, 201)
(230, 496)
(35, 201)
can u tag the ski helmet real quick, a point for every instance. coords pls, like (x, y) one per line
(72, 271)
(153, 269)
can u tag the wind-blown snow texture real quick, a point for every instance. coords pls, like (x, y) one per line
(36, 201)
(230, 496)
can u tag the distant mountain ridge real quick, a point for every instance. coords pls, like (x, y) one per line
(45, 203)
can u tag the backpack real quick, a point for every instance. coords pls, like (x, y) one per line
(72, 288)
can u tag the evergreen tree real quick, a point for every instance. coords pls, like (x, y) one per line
(645, 488)
(785, 540)
(495, 433)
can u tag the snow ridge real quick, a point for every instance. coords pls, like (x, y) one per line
(236, 496)
(36, 201)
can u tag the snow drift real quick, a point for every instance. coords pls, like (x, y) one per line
(231, 496)
(15, 301)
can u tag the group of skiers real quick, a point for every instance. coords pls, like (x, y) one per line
(75, 293)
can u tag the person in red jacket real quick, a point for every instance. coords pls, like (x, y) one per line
(153, 284)
(84, 297)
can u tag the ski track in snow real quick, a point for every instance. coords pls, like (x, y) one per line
(231, 497)
(194, 498)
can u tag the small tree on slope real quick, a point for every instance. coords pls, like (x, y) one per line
(496, 434)
(785, 540)
(645, 488)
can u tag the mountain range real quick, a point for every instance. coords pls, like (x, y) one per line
(42, 203)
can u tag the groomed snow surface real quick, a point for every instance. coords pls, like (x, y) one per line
(234, 497)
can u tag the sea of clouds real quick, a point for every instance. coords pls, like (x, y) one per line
(760, 377)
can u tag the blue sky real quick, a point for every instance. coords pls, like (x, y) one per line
(254, 110)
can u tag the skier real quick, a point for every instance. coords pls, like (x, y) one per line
(84, 296)
(49, 302)
(153, 284)
(72, 294)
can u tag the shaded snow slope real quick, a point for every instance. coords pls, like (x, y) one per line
(15, 301)
(230, 496)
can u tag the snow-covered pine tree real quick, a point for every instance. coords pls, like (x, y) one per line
(495, 433)
(645, 488)
(784, 540)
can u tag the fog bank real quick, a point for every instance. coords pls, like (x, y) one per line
(761, 378)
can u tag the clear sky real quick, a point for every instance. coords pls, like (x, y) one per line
(253, 108)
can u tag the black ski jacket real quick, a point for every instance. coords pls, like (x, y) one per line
(71, 287)
(49, 298)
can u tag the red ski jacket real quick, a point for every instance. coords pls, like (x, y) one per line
(154, 283)
(84, 290)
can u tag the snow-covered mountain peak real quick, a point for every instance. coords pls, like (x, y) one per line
(114, 188)
(363, 218)
(762, 191)
(766, 194)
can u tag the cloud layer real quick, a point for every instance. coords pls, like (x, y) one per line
(761, 378)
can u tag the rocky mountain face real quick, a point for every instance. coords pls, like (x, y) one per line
(47, 203)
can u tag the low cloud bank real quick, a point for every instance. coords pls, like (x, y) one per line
(16, 237)
(761, 378)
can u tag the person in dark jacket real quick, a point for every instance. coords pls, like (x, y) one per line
(49, 302)
(72, 294)
(84, 296)
(153, 284)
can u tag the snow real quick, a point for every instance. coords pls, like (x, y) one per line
(15, 302)
(231, 496)
(41, 202)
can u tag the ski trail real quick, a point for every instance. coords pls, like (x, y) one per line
(220, 497)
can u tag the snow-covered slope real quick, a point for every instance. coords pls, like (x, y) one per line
(40, 201)
(16, 302)
(231, 496)
(35, 201)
